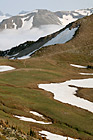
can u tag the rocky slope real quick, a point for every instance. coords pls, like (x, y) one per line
(30, 26)
(12, 133)
(43, 17)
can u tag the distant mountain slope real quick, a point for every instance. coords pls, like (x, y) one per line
(30, 26)
(81, 44)
(40, 17)
(33, 19)
(26, 49)
(4, 16)
(69, 16)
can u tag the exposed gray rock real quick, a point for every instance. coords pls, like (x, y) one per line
(45, 17)
(42, 17)
(75, 14)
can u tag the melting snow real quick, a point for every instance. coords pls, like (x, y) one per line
(15, 26)
(63, 37)
(31, 120)
(86, 73)
(51, 136)
(66, 94)
(6, 68)
(37, 114)
(78, 66)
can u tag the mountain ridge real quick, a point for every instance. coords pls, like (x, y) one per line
(44, 17)
(29, 47)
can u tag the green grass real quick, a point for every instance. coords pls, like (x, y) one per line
(19, 91)
(19, 94)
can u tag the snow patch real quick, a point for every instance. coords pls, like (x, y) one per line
(67, 19)
(27, 24)
(51, 136)
(31, 120)
(6, 68)
(86, 73)
(5, 26)
(15, 26)
(59, 39)
(63, 37)
(66, 94)
(37, 114)
(78, 66)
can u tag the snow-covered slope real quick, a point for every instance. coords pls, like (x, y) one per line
(63, 37)
(59, 37)
(40, 17)
(44, 17)
(51, 136)
(30, 26)
(69, 16)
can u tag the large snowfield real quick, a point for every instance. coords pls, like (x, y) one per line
(63, 37)
(65, 92)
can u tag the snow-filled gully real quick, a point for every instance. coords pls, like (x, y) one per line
(64, 93)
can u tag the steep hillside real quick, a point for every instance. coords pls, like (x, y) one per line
(20, 94)
(82, 43)
(40, 17)
(30, 19)
(28, 48)
(30, 26)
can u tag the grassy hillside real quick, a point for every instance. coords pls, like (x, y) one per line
(19, 92)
